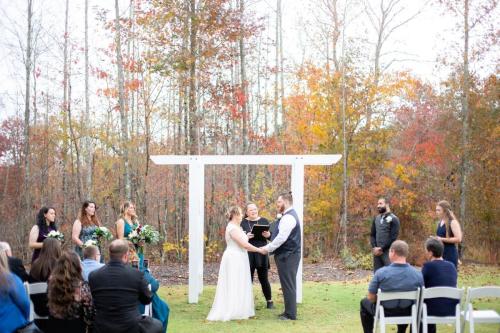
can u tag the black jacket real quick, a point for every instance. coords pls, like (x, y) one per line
(16, 266)
(117, 289)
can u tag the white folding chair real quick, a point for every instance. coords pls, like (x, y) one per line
(32, 289)
(441, 292)
(380, 318)
(148, 309)
(480, 316)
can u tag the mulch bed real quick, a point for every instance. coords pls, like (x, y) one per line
(174, 273)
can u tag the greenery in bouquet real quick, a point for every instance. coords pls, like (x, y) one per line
(102, 233)
(56, 234)
(144, 234)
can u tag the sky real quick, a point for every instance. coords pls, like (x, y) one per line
(416, 46)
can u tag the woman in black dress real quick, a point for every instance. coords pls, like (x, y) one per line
(258, 261)
(45, 223)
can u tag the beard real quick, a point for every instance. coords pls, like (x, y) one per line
(281, 208)
(382, 210)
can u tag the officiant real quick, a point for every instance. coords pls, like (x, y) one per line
(258, 262)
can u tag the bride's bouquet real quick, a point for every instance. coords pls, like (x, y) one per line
(56, 234)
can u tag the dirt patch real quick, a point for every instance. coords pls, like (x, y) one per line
(177, 273)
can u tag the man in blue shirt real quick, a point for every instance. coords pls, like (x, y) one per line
(91, 258)
(398, 276)
(438, 273)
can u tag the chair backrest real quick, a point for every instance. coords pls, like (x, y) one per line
(442, 292)
(489, 291)
(408, 295)
(37, 288)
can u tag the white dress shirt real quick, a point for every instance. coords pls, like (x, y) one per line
(287, 223)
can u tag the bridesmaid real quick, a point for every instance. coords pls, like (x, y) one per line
(258, 261)
(84, 227)
(45, 223)
(126, 223)
(448, 231)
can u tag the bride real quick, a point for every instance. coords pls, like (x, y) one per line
(234, 294)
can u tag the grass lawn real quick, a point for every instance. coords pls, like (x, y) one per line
(328, 307)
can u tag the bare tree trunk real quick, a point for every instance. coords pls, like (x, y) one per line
(345, 180)
(26, 201)
(65, 147)
(86, 118)
(244, 108)
(74, 140)
(121, 102)
(465, 162)
(277, 69)
(194, 146)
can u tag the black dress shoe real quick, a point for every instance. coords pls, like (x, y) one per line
(284, 317)
(270, 305)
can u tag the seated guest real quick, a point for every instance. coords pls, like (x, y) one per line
(14, 303)
(438, 273)
(398, 276)
(70, 300)
(40, 272)
(15, 264)
(91, 260)
(117, 289)
(159, 307)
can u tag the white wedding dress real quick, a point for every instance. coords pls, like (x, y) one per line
(234, 294)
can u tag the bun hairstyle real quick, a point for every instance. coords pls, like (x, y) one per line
(232, 212)
(287, 196)
(445, 205)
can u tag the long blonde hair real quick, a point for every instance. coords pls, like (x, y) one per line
(124, 207)
(450, 216)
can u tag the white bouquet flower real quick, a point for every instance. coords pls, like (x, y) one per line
(102, 233)
(56, 234)
(90, 242)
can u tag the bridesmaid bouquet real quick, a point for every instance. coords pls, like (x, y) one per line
(102, 233)
(56, 234)
(90, 242)
(144, 234)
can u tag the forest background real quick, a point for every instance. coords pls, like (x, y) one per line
(92, 89)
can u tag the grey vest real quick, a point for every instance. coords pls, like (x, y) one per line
(383, 229)
(293, 242)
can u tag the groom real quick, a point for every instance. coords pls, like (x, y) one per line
(286, 245)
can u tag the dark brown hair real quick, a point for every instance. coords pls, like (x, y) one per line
(50, 252)
(65, 279)
(287, 196)
(86, 220)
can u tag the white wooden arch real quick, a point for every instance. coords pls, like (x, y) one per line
(197, 199)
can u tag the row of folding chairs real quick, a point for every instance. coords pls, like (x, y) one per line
(419, 308)
(41, 288)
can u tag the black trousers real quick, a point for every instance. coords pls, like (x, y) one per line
(288, 265)
(262, 274)
(367, 314)
(381, 261)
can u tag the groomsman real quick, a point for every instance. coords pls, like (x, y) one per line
(385, 230)
(286, 245)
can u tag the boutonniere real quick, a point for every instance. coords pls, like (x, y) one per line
(388, 219)
(278, 216)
